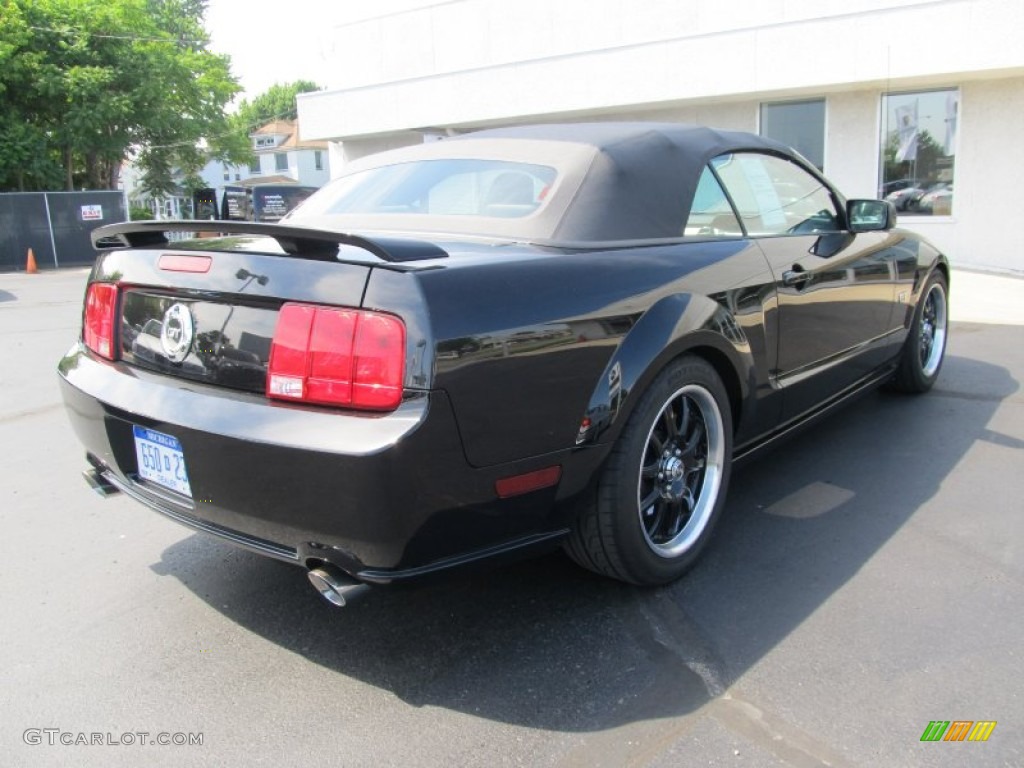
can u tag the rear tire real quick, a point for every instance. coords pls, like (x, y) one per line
(665, 481)
(925, 347)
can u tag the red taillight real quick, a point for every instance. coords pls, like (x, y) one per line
(100, 319)
(333, 356)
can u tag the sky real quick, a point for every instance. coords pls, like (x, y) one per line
(271, 47)
(282, 42)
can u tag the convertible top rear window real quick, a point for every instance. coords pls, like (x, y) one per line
(447, 187)
(553, 184)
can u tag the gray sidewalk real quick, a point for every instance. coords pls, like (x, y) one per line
(985, 297)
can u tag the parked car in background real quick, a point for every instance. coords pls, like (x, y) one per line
(145, 345)
(495, 344)
(895, 186)
(928, 199)
(938, 200)
(906, 198)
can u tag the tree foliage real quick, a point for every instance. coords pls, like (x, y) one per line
(86, 83)
(276, 103)
(926, 164)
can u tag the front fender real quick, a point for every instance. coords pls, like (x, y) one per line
(919, 260)
(674, 326)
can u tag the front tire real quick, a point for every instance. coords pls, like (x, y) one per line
(665, 482)
(925, 347)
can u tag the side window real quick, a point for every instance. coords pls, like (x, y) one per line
(711, 215)
(776, 197)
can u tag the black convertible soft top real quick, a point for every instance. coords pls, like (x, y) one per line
(619, 181)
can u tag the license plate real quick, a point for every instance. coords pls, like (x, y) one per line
(161, 460)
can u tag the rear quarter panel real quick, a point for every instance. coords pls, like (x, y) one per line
(525, 342)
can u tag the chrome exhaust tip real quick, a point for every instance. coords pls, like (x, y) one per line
(336, 587)
(99, 483)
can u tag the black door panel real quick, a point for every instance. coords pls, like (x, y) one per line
(834, 313)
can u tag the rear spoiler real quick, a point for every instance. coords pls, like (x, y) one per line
(307, 243)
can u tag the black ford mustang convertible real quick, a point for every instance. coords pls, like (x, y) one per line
(493, 344)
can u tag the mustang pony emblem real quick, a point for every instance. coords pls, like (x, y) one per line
(178, 332)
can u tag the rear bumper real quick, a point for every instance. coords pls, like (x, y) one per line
(382, 497)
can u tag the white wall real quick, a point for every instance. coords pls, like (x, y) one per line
(343, 152)
(432, 37)
(213, 173)
(301, 167)
(465, 64)
(989, 161)
(304, 164)
(852, 140)
(983, 230)
(535, 57)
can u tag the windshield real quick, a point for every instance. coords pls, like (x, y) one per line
(447, 187)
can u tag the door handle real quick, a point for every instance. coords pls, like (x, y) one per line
(795, 276)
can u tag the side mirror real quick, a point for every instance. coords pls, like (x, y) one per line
(870, 215)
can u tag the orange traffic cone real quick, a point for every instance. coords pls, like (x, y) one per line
(30, 266)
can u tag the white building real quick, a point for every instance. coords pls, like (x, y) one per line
(279, 155)
(879, 93)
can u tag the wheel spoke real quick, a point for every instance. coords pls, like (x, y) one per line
(927, 339)
(650, 500)
(653, 523)
(695, 439)
(689, 499)
(671, 428)
(679, 518)
(684, 416)
(668, 514)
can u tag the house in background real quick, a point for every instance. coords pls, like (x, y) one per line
(279, 157)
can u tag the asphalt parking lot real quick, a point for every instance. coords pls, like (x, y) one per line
(868, 578)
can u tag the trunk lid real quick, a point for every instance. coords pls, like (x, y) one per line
(206, 310)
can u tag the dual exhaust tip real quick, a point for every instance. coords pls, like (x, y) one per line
(336, 587)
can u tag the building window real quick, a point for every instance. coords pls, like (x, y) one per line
(918, 151)
(254, 164)
(281, 161)
(238, 177)
(227, 175)
(797, 124)
(318, 160)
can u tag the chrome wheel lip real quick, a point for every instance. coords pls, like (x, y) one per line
(707, 490)
(933, 329)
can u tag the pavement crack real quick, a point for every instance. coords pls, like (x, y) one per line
(977, 397)
(7, 418)
(790, 744)
(674, 630)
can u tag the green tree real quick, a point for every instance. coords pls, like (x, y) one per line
(91, 82)
(276, 103)
(926, 164)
